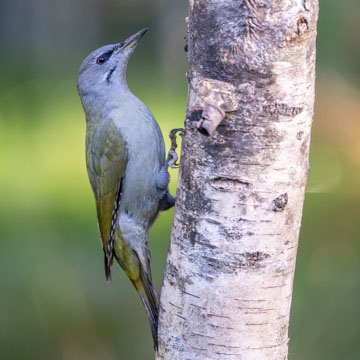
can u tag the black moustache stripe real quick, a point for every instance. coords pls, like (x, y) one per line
(110, 74)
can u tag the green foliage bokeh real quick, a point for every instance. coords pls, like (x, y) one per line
(54, 301)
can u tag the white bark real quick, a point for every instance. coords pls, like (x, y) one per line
(228, 283)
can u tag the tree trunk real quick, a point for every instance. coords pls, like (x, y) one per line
(229, 276)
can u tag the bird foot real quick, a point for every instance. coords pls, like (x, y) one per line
(172, 155)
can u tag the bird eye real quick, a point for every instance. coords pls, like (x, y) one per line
(101, 60)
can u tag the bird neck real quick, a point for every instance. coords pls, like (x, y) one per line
(98, 103)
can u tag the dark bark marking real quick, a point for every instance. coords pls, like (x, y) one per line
(280, 202)
(186, 47)
(192, 237)
(227, 354)
(201, 335)
(274, 287)
(197, 348)
(228, 184)
(225, 346)
(250, 300)
(181, 317)
(233, 234)
(295, 33)
(282, 109)
(178, 307)
(221, 327)
(219, 60)
(282, 273)
(246, 220)
(249, 24)
(212, 221)
(305, 5)
(302, 26)
(289, 218)
(194, 193)
(213, 262)
(255, 257)
(195, 240)
(175, 279)
(256, 310)
(304, 147)
(219, 316)
(187, 293)
(275, 234)
(197, 306)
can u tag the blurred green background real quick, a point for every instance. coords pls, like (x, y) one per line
(54, 301)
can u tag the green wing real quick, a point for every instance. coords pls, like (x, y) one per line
(106, 161)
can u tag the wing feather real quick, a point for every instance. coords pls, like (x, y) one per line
(106, 162)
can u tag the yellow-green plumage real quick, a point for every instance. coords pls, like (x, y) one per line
(105, 159)
(106, 164)
(125, 157)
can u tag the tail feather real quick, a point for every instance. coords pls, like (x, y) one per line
(150, 300)
(107, 267)
(139, 273)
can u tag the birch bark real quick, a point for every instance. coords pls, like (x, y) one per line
(229, 276)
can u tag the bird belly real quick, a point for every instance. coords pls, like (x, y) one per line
(145, 157)
(140, 197)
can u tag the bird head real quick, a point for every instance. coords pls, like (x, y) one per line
(107, 65)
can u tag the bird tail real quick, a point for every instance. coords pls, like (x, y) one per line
(150, 300)
(139, 273)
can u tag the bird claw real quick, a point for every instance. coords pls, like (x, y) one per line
(172, 159)
(172, 155)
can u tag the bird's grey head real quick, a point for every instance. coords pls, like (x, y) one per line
(106, 67)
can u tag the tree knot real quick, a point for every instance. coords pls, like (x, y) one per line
(214, 99)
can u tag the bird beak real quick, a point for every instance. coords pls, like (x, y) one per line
(132, 40)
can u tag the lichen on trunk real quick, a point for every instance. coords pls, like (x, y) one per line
(228, 281)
